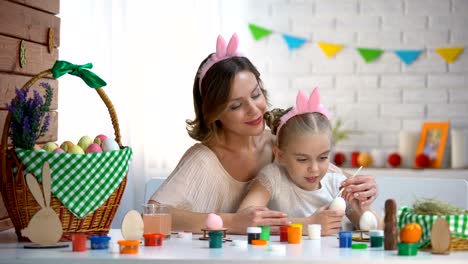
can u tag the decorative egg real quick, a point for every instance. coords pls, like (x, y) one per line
(59, 150)
(50, 146)
(340, 158)
(338, 204)
(66, 145)
(84, 142)
(422, 160)
(109, 145)
(364, 159)
(368, 221)
(99, 139)
(214, 221)
(394, 159)
(93, 148)
(75, 149)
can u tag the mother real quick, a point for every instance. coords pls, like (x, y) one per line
(213, 175)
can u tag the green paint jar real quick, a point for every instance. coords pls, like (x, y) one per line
(376, 238)
(216, 239)
(265, 234)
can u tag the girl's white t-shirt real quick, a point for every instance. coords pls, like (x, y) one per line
(287, 197)
(200, 184)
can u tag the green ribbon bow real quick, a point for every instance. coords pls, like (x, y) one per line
(91, 79)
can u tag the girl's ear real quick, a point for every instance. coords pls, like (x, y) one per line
(278, 154)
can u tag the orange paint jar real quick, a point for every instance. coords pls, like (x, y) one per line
(294, 235)
(128, 246)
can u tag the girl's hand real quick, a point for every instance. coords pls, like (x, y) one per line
(331, 220)
(362, 188)
(257, 215)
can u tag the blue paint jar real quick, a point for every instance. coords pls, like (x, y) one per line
(346, 239)
(99, 242)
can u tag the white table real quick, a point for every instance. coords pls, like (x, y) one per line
(176, 250)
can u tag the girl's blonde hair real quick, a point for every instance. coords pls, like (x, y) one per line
(315, 123)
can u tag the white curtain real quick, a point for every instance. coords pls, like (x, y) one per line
(148, 53)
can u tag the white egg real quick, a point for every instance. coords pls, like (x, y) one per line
(368, 221)
(109, 145)
(338, 204)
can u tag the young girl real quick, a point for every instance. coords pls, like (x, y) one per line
(298, 183)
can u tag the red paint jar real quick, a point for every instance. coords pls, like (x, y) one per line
(79, 242)
(153, 239)
(284, 233)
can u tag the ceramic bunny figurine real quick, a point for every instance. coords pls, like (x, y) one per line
(45, 227)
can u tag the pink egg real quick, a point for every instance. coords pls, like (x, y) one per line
(99, 139)
(214, 221)
(93, 148)
(59, 150)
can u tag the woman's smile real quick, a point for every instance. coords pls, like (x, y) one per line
(255, 122)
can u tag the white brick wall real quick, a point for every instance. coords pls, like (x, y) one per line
(381, 98)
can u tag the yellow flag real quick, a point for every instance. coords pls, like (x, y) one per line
(449, 54)
(330, 49)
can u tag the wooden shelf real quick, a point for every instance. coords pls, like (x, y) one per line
(407, 172)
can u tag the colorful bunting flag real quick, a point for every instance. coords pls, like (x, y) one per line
(370, 55)
(294, 42)
(449, 54)
(408, 56)
(330, 49)
(259, 32)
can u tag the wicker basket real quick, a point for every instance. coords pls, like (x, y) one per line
(20, 203)
(458, 239)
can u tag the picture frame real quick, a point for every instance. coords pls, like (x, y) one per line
(432, 142)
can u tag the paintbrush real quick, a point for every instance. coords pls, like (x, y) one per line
(342, 189)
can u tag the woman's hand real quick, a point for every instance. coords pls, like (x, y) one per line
(331, 220)
(254, 216)
(362, 188)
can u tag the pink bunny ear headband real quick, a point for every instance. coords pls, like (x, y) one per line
(223, 52)
(305, 105)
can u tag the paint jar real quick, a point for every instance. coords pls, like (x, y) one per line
(294, 234)
(153, 240)
(253, 233)
(408, 249)
(315, 231)
(79, 242)
(99, 242)
(284, 233)
(128, 246)
(216, 239)
(259, 242)
(265, 234)
(346, 239)
(376, 238)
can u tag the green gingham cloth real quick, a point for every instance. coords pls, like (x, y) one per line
(458, 224)
(81, 182)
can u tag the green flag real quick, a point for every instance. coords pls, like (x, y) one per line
(370, 54)
(259, 32)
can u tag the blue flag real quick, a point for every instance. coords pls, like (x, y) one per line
(408, 56)
(294, 42)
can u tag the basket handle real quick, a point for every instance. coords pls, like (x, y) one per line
(6, 127)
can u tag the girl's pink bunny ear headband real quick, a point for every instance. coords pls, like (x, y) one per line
(223, 52)
(305, 105)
